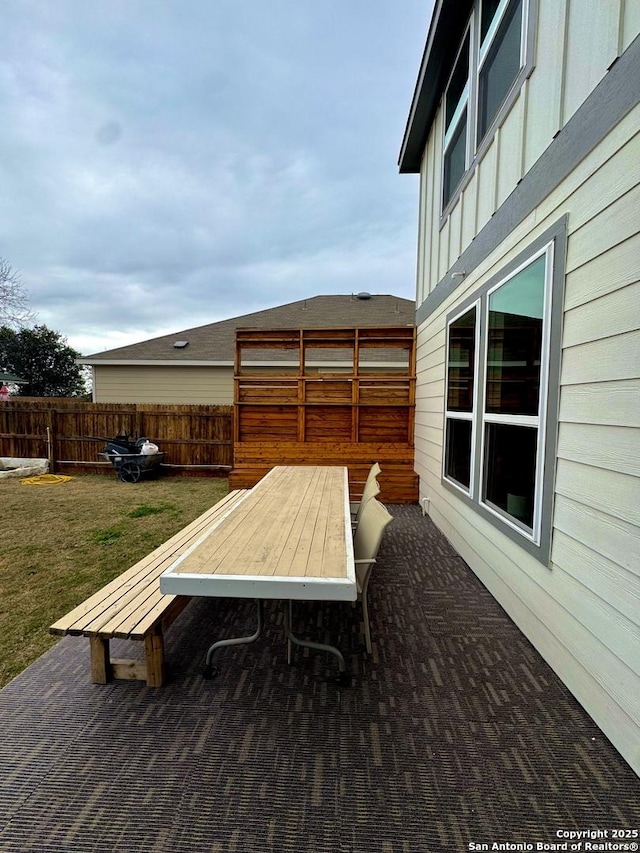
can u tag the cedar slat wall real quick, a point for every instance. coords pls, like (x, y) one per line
(196, 440)
(352, 415)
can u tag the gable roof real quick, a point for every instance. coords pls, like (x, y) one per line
(214, 343)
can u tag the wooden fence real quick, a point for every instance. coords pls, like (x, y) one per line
(195, 440)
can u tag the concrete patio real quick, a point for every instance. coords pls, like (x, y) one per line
(454, 733)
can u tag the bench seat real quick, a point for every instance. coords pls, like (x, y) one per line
(132, 607)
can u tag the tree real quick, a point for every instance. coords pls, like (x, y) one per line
(14, 307)
(42, 357)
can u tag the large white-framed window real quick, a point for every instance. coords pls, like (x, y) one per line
(516, 320)
(494, 57)
(461, 397)
(501, 385)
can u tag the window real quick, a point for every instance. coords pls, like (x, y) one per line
(512, 400)
(456, 122)
(500, 60)
(497, 441)
(480, 84)
(461, 365)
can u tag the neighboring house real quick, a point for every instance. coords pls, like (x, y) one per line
(196, 365)
(8, 383)
(524, 128)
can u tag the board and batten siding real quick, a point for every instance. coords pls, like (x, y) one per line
(573, 52)
(212, 386)
(582, 612)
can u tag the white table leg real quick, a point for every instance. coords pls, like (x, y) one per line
(210, 671)
(321, 647)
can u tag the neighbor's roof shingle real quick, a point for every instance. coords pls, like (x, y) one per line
(215, 341)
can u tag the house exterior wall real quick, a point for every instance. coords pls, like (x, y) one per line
(205, 385)
(211, 386)
(558, 85)
(580, 608)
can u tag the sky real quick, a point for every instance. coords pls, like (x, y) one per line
(165, 164)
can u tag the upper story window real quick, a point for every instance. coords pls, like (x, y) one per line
(500, 59)
(491, 61)
(456, 122)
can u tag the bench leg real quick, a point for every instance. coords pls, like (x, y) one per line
(100, 664)
(154, 652)
(152, 669)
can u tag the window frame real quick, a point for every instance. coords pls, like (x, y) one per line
(537, 538)
(449, 131)
(471, 416)
(476, 148)
(538, 421)
(485, 50)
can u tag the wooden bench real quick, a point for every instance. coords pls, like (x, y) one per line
(132, 607)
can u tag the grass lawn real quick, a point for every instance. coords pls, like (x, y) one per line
(61, 543)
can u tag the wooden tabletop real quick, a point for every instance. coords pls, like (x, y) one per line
(289, 537)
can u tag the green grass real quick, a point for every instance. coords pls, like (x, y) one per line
(61, 543)
(151, 509)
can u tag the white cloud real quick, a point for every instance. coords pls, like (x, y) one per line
(173, 164)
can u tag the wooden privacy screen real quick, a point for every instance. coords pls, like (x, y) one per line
(340, 396)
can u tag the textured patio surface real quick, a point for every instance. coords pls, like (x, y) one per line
(454, 733)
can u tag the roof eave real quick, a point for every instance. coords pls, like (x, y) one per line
(153, 362)
(448, 23)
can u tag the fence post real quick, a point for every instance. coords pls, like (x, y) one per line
(50, 449)
(52, 429)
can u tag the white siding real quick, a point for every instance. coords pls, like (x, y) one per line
(592, 44)
(544, 96)
(486, 177)
(601, 403)
(211, 386)
(613, 448)
(610, 271)
(629, 24)
(621, 307)
(582, 612)
(510, 143)
(469, 207)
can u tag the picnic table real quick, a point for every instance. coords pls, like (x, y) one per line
(288, 538)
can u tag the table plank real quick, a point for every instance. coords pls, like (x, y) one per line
(294, 525)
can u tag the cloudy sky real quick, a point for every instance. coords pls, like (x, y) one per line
(167, 164)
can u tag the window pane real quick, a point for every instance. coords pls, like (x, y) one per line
(514, 343)
(489, 9)
(457, 83)
(461, 363)
(510, 469)
(455, 160)
(500, 68)
(458, 453)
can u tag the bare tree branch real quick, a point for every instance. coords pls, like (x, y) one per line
(14, 303)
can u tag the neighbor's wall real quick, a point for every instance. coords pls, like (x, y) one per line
(583, 612)
(148, 384)
(595, 34)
